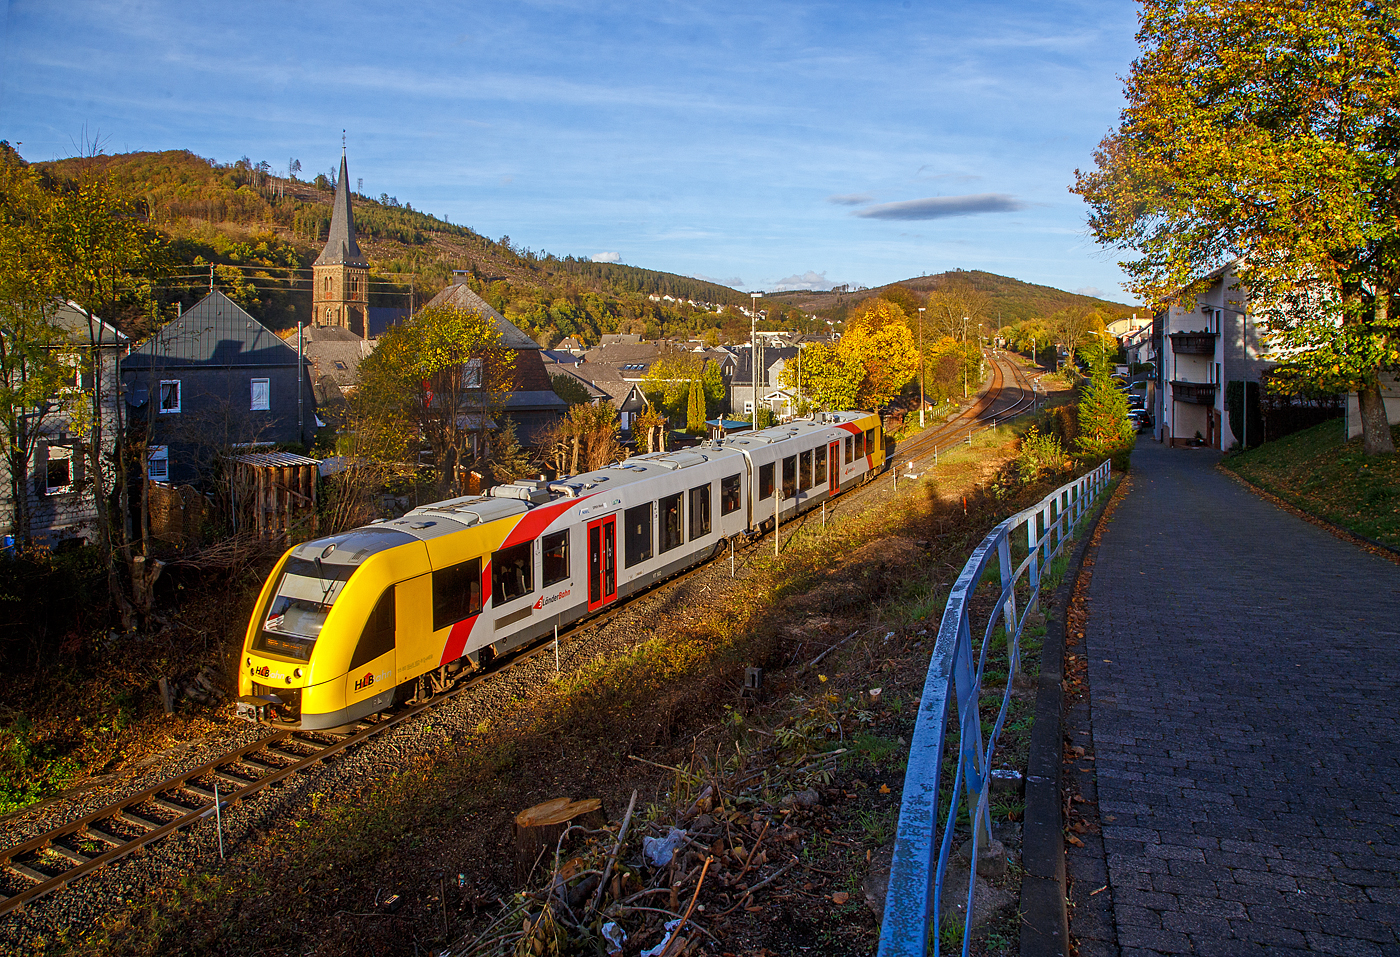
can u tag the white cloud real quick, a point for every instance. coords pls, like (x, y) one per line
(607, 257)
(851, 199)
(734, 282)
(810, 281)
(937, 207)
(1094, 291)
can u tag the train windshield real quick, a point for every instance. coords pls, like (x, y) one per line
(305, 595)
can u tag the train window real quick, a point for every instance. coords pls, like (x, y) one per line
(556, 558)
(804, 470)
(512, 573)
(850, 446)
(378, 637)
(860, 445)
(729, 495)
(790, 476)
(305, 594)
(671, 506)
(637, 534)
(819, 466)
(870, 442)
(456, 593)
(765, 481)
(699, 512)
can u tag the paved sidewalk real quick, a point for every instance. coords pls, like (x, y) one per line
(1244, 695)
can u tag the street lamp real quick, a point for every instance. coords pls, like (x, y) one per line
(921, 367)
(753, 352)
(964, 358)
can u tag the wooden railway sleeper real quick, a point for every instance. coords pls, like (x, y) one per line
(234, 779)
(69, 854)
(137, 820)
(171, 806)
(98, 834)
(38, 877)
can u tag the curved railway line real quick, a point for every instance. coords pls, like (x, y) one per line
(50, 861)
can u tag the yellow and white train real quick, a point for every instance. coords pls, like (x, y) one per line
(397, 607)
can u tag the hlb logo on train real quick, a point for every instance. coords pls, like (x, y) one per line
(552, 598)
(370, 678)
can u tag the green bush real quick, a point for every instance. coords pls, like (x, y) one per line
(1040, 452)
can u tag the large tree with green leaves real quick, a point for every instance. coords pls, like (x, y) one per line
(1267, 131)
(441, 377)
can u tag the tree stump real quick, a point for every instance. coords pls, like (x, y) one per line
(537, 830)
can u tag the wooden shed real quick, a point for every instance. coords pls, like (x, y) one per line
(272, 492)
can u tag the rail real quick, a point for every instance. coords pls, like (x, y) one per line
(921, 853)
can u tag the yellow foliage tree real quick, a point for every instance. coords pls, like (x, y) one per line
(874, 360)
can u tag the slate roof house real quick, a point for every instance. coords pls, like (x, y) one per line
(770, 394)
(212, 381)
(57, 491)
(531, 403)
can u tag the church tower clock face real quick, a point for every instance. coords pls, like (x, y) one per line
(340, 275)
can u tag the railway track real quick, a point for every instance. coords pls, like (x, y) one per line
(51, 861)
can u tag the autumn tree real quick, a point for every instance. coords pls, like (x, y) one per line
(584, 440)
(1266, 131)
(875, 359)
(1073, 326)
(35, 358)
(695, 409)
(671, 379)
(442, 377)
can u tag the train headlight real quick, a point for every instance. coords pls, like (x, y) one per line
(289, 679)
(296, 673)
(250, 661)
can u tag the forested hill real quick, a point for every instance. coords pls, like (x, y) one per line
(1007, 300)
(263, 232)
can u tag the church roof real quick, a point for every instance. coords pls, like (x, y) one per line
(341, 247)
(461, 296)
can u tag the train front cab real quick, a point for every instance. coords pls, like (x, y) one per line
(325, 640)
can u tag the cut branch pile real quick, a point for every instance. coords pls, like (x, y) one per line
(664, 881)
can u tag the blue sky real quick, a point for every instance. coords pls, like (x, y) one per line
(753, 143)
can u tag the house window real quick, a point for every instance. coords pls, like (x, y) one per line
(58, 470)
(262, 394)
(340, 365)
(169, 395)
(158, 463)
(748, 408)
(471, 374)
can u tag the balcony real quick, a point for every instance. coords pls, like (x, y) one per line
(1194, 343)
(1196, 393)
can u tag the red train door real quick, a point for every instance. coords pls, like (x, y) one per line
(833, 472)
(602, 562)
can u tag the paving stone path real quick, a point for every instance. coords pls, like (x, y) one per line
(1244, 719)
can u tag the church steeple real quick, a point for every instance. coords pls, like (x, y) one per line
(340, 275)
(341, 246)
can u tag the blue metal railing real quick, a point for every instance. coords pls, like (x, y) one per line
(921, 862)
